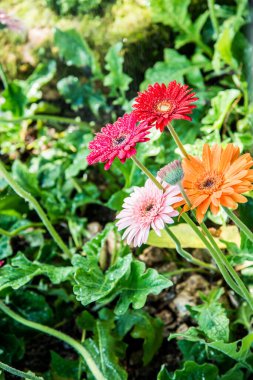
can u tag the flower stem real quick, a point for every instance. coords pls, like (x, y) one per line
(59, 119)
(214, 254)
(243, 290)
(147, 172)
(177, 140)
(239, 224)
(59, 335)
(222, 261)
(19, 229)
(186, 255)
(3, 76)
(16, 372)
(34, 203)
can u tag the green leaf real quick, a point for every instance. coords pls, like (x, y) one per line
(15, 99)
(221, 104)
(62, 368)
(174, 67)
(223, 47)
(73, 49)
(93, 247)
(238, 350)
(91, 284)
(164, 374)
(43, 74)
(144, 327)
(212, 317)
(11, 347)
(21, 271)
(194, 371)
(116, 79)
(79, 95)
(5, 247)
(173, 13)
(116, 200)
(126, 278)
(137, 284)
(106, 349)
(27, 180)
(72, 91)
(32, 306)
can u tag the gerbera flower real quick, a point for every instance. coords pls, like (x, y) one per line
(117, 140)
(218, 179)
(147, 207)
(160, 104)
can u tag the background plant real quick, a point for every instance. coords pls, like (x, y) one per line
(55, 95)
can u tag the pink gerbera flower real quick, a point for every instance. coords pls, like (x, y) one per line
(160, 104)
(1, 263)
(117, 140)
(147, 207)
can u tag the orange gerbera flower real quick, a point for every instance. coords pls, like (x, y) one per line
(218, 179)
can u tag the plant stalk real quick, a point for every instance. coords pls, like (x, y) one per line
(19, 229)
(147, 172)
(34, 203)
(59, 335)
(239, 224)
(243, 290)
(18, 373)
(186, 255)
(177, 140)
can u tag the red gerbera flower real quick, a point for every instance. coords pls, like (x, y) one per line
(117, 140)
(160, 104)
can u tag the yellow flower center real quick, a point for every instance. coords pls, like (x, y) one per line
(164, 106)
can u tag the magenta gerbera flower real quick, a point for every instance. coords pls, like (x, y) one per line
(117, 140)
(160, 104)
(147, 207)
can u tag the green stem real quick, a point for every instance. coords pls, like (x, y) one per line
(183, 270)
(243, 290)
(59, 119)
(239, 224)
(34, 203)
(3, 76)
(19, 229)
(177, 140)
(214, 254)
(147, 172)
(213, 18)
(16, 372)
(59, 335)
(186, 255)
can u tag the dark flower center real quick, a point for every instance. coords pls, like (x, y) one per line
(210, 183)
(149, 207)
(164, 106)
(119, 140)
